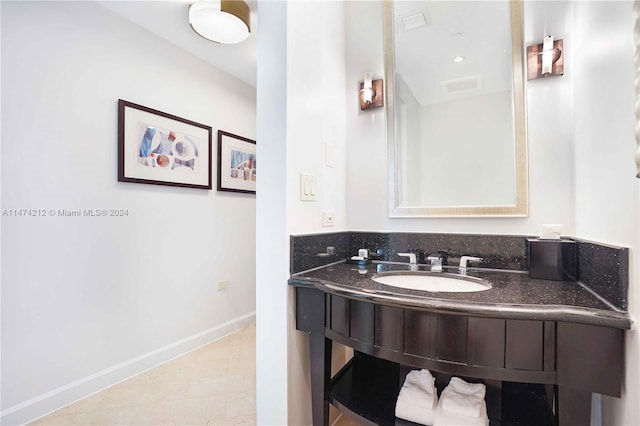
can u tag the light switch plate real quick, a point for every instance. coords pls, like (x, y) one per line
(307, 187)
(328, 154)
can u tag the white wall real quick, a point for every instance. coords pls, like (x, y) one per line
(89, 301)
(301, 95)
(366, 130)
(549, 133)
(0, 205)
(607, 202)
(306, 70)
(272, 241)
(316, 90)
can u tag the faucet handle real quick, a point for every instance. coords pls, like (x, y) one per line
(440, 254)
(436, 260)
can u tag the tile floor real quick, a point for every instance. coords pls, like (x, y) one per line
(214, 385)
(344, 420)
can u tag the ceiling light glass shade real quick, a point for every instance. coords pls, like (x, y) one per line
(222, 21)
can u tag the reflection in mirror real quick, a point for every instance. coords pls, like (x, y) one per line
(455, 109)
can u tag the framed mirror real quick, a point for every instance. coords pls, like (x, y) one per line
(456, 118)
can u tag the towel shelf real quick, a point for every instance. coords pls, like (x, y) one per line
(367, 387)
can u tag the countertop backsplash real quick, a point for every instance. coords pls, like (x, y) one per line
(497, 251)
(605, 270)
(312, 251)
(602, 268)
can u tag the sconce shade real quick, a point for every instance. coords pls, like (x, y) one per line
(367, 88)
(371, 93)
(221, 21)
(548, 53)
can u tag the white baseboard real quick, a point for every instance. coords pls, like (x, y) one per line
(55, 399)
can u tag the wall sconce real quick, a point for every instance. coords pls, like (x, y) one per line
(221, 21)
(545, 59)
(371, 94)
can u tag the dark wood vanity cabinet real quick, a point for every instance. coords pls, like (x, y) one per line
(572, 360)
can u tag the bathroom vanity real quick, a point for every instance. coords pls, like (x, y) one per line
(554, 336)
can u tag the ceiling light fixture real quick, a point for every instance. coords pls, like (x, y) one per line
(458, 59)
(221, 21)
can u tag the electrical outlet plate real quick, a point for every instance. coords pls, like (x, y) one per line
(328, 219)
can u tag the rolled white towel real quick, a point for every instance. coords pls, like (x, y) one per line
(421, 378)
(415, 413)
(416, 395)
(445, 417)
(463, 398)
(465, 388)
(465, 405)
(418, 398)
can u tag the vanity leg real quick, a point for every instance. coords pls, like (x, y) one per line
(574, 407)
(494, 401)
(551, 394)
(320, 357)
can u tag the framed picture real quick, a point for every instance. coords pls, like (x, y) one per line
(237, 167)
(161, 149)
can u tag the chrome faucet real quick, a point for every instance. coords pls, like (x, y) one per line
(413, 264)
(436, 262)
(463, 263)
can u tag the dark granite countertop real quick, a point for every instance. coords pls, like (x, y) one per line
(512, 295)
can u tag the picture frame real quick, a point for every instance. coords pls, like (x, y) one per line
(162, 149)
(237, 167)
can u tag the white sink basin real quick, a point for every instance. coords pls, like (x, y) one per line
(432, 282)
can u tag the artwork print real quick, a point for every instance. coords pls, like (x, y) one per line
(237, 163)
(158, 148)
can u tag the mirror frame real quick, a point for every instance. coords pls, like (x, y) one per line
(521, 207)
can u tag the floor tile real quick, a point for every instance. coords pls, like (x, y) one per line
(214, 385)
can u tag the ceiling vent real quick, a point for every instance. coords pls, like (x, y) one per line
(412, 20)
(462, 85)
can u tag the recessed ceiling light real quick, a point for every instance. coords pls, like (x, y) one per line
(458, 59)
